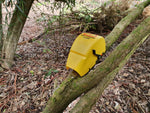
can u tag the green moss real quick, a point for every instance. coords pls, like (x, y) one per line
(126, 46)
(101, 69)
(75, 85)
(54, 100)
(108, 68)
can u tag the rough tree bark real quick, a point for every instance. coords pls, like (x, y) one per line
(14, 31)
(1, 28)
(136, 38)
(74, 86)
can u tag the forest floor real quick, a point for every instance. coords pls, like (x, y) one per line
(40, 67)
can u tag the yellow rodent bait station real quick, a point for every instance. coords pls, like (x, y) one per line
(84, 52)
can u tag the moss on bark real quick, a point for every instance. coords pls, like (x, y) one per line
(89, 99)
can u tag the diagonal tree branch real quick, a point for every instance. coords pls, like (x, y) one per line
(89, 99)
(118, 29)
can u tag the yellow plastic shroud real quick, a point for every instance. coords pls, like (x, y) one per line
(81, 57)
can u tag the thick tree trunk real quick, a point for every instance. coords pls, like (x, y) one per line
(1, 27)
(89, 99)
(74, 85)
(14, 31)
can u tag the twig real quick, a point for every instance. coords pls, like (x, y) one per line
(134, 111)
(15, 85)
(52, 78)
(136, 102)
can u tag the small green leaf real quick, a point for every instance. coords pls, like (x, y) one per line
(55, 71)
(39, 4)
(44, 51)
(105, 4)
(49, 73)
(32, 72)
(33, 39)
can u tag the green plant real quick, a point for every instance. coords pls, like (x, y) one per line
(47, 51)
(32, 72)
(49, 72)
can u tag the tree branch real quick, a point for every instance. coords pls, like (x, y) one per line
(89, 99)
(118, 29)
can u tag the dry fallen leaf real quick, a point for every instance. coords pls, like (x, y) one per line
(117, 106)
(32, 85)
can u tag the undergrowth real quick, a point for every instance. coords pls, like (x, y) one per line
(84, 19)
